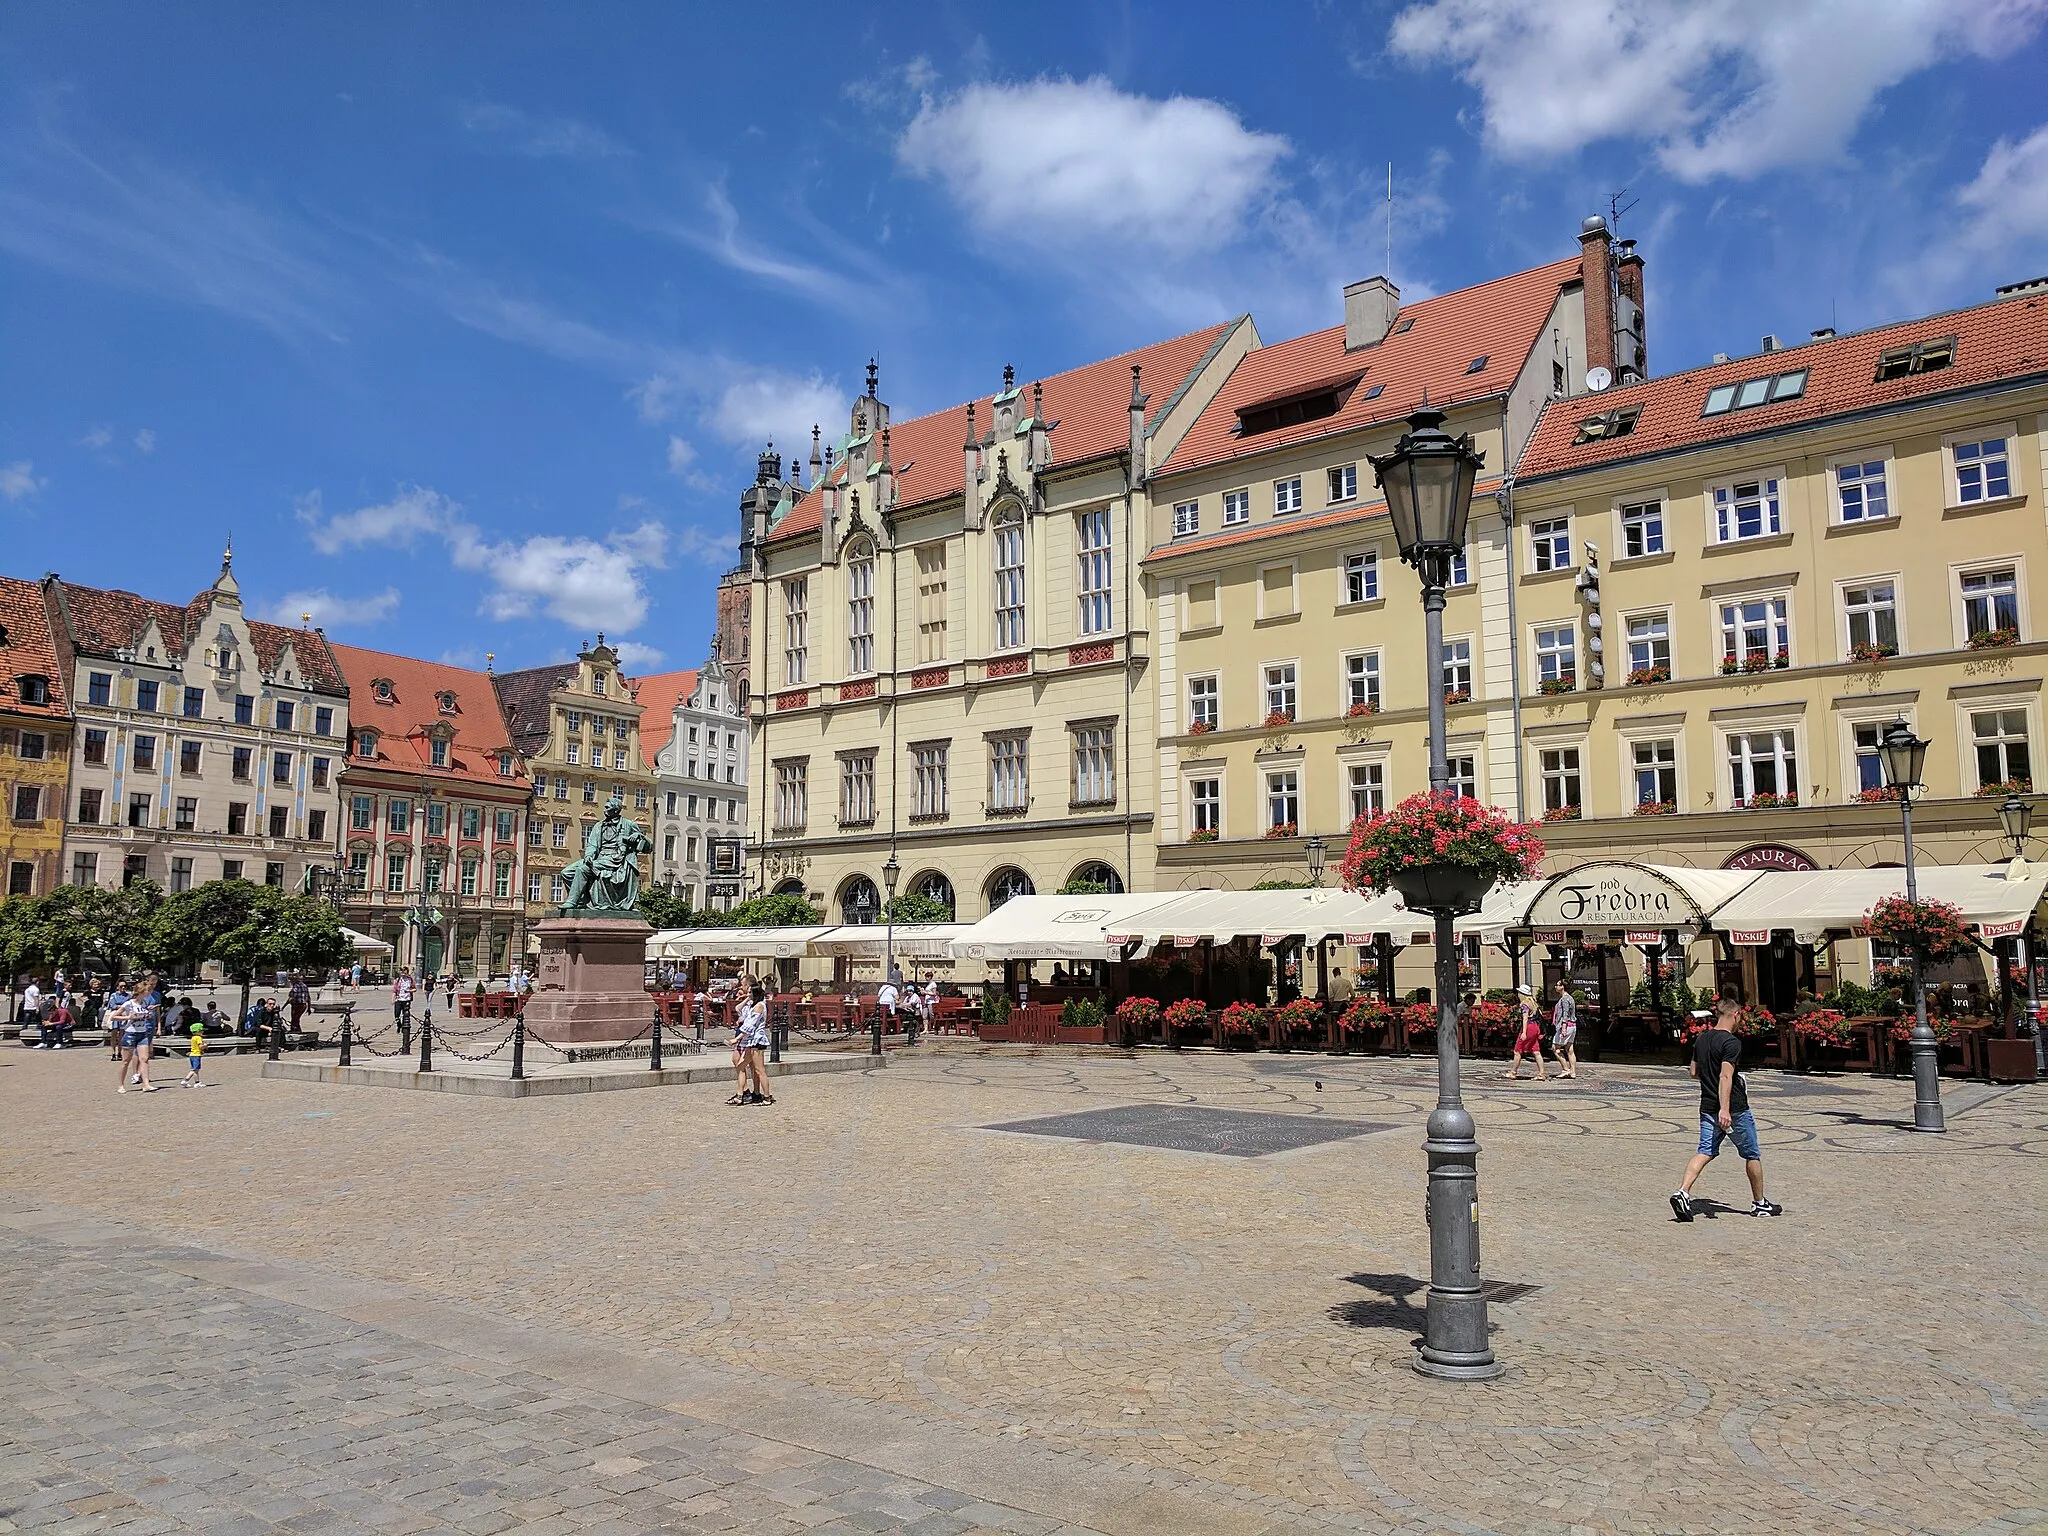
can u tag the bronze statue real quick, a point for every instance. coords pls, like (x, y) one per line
(607, 878)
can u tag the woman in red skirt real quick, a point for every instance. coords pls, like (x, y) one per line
(1529, 1038)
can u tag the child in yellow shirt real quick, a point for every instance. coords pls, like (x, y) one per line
(194, 1052)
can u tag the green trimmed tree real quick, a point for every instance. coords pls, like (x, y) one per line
(783, 910)
(916, 907)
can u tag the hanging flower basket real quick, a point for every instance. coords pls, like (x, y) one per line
(1934, 930)
(1825, 1027)
(1441, 852)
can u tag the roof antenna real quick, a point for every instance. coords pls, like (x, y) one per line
(1390, 221)
(1616, 208)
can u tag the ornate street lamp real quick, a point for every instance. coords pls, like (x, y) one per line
(891, 873)
(1316, 854)
(1904, 757)
(2016, 816)
(1428, 479)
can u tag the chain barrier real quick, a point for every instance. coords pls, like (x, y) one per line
(443, 1031)
(577, 1053)
(486, 1056)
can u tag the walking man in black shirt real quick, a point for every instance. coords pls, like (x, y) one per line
(1724, 1112)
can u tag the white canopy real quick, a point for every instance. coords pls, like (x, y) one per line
(1053, 927)
(911, 941)
(363, 944)
(733, 943)
(1996, 897)
(1221, 916)
(1504, 908)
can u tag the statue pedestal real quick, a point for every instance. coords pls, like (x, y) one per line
(590, 984)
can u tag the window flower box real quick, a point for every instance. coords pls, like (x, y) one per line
(1730, 663)
(1361, 710)
(1782, 659)
(1203, 835)
(1200, 728)
(1870, 651)
(1656, 808)
(1764, 800)
(1994, 639)
(1756, 661)
(1457, 695)
(1279, 718)
(1563, 813)
(1283, 829)
(1554, 685)
(1878, 794)
(1642, 677)
(2006, 787)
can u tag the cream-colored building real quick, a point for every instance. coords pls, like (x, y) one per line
(1794, 549)
(1290, 691)
(694, 730)
(208, 745)
(951, 643)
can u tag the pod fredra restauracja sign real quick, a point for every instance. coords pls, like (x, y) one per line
(1611, 896)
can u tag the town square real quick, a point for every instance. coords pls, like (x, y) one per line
(1111, 770)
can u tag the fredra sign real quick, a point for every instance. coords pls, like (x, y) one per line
(1611, 896)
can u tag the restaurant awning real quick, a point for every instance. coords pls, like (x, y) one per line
(1997, 898)
(1622, 896)
(1504, 908)
(1053, 927)
(1268, 916)
(363, 944)
(733, 943)
(911, 941)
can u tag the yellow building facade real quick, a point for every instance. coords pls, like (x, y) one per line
(35, 743)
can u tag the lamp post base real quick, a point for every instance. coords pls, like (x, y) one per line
(1458, 1370)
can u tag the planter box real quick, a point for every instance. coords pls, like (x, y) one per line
(2011, 1061)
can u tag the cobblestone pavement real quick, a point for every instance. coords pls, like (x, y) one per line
(275, 1304)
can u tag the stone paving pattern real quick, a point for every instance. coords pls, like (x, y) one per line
(276, 1305)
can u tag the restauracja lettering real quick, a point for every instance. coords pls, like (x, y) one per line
(1611, 898)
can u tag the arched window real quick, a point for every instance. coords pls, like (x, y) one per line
(1099, 876)
(860, 610)
(1009, 594)
(936, 887)
(790, 888)
(1008, 883)
(858, 902)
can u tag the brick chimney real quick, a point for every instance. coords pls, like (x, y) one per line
(1369, 310)
(1596, 273)
(1628, 276)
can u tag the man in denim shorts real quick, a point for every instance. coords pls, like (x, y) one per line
(1724, 1112)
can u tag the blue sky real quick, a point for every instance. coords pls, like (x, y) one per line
(468, 320)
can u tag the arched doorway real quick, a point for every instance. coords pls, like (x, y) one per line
(1099, 875)
(936, 887)
(1006, 883)
(859, 903)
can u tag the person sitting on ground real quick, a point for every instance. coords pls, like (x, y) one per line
(57, 1024)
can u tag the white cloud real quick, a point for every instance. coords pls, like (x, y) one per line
(680, 455)
(98, 437)
(399, 522)
(583, 582)
(1061, 164)
(145, 441)
(655, 397)
(331, 612)
(19, 479)
(771, 405)
(544, 138)
(1730, 89)
(637, 657)
(718, 551)
(2005, 208)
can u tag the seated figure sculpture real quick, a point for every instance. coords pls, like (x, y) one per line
(607, 878)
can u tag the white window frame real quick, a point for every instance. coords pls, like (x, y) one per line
(1214, 804)
(1780, 623)
(1961, 570)
(1282, 789)
(1009, 771)
(1280, 688)
(1973, 743)
(1205, 691)
(1561, 775)
(1550, 544)
(1629, 640)
(1363, 679)
(1451, 661)
(1838, 513)
(1364, 787)
(1655, 525)
(1095, 570)
(796, 629)
(1287, 496)
(1844, 617)
(1342, 480)
(930, 773)
(1724, 522)
(1747, 732)
(1953, 471)
(860, 616)
(1554, 649)
(1187, 519)
(856, 788)
(1631, 766)
(1360, 578)
(1877, 720)
(1293, 569)
(1012, 629)
(1465, 755)
(1237, 507)
(1461, 569)
(1093, 752)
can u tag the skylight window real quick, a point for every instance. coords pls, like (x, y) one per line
(1616, 423)
(1375, 391)
(1477, 365)
(1921, 357)
(1772, 387)
(1405, 326)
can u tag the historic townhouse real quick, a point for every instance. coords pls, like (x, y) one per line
(436, 805)
(695, 731)
(35, 741)
(207, 745)
(1290, 693)
(951, 645)
(576, 728)
(1793, 550)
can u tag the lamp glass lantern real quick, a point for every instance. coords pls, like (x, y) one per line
(891, 873)
(1428, 479)
(2016, 816)
(1317, 853)
(1904, 757)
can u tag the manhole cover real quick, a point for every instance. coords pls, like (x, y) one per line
(1186, 1128)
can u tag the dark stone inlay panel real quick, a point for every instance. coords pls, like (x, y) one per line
(1193, 1128)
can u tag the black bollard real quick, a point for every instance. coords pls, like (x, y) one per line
(697, 1011)
(276, 1036)
(876, 1048)
(778, 1033)
(427, 1041)
(519, 1044)
(347, 1016)
(654, 1051)
(405, 1030)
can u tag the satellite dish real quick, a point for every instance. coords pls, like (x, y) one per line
(1598, 379)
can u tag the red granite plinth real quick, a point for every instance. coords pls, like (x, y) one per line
(591, 982)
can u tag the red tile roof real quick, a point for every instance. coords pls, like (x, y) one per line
(1500, 321)
(659, 693)
(28, 650)
(1091, 404)
(401, 725)
(2006, 339)
(1288, 527)
(104, 620)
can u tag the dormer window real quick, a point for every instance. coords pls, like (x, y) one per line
(1616, 423)
(1404, 327)
(597, 683)
(1921, 357)
(33, 687)
(366, 744)
(382, 691)
(1313, 403)
(3, 634)
(437, 751)
(446, 699)
(505, 765)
